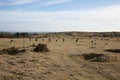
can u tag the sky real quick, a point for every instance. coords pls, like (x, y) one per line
(59, 15)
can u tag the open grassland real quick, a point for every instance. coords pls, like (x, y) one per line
(85, 59)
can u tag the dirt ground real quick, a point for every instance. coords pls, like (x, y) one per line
(64, 61)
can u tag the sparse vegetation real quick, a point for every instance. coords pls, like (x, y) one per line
(95, 57)
(113, 50)
(41, 48)
(66, 58)
(33, 45)
(12, 51)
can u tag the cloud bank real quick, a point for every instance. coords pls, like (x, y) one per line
(99, 19)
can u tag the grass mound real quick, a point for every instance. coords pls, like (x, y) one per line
(113, 50)
(41, 48)
(33, 45)
(12, 51)
(93, 57)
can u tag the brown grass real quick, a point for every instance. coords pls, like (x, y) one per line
(63, 62)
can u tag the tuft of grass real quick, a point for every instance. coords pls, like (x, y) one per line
(93, 57)
(12, 51)
(41, 48)
(33, 45)
(113, 50)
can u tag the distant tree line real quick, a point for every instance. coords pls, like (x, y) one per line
(14, 35)
(91, 34)
(72, 34)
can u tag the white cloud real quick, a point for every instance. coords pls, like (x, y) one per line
(55, 2)
(41, 2)
(99, 19)
(15, 2)
(22, 2)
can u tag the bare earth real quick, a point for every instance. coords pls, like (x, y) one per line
(64, 61)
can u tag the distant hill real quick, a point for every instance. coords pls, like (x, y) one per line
(53, 34)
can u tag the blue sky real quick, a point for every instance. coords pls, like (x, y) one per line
(59, 15)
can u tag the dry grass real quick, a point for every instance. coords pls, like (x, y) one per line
(63, 62)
